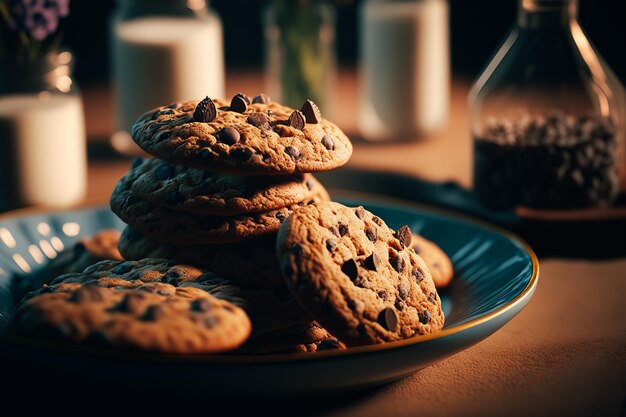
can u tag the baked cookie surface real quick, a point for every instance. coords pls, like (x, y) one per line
(185, 320)
(249, 138)
(251, 262)
(357, 277)
(193, 190)
(168, 225)
(438, 262)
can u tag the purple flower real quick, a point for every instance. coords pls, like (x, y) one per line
(39, 22)
(39, 18)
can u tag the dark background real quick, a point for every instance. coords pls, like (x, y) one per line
(476, 26)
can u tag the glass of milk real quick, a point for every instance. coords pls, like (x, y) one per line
(405, 68)
(162, 51)
(43, 158)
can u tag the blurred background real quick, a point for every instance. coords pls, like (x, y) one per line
(476, 29)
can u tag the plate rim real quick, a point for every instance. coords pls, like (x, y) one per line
(224, 359)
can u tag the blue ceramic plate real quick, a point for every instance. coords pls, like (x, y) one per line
(496, 274)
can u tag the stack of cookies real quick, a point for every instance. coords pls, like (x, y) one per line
(224, 177)
(233, 246)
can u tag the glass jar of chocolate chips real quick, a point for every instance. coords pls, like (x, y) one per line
(548, 116)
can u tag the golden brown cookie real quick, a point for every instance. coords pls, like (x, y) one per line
(168, 225)
(251, 262)
(185, 320)
(438, 262)
(193, 190)
(242, 138)
(357, 277)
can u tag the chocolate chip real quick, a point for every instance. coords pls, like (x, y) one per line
(331, 244)
(87, 293)
(243, 154)
(297, 120)
(424, 317)
(399, 304)
(403, 291)
(175, 197)
(360, 213)
(328, 344)
(310, 184)
(362, 282)
(351, 269)
(383, 295)
(293, 152)
(131, 303)
(205, 111)
(161, 136)
(153, 313)
(122, 268)
(280, 216)
(371, 233)
(418, 274)
(432, 298)
(172, 277)
(259, 120)
(205, 153)
(377, 220)
(137, 161)
(244, 97)
(238, 104)
(311, 112)
(388, 319)
(352, 305)
(328, 142)
(211, 322)
(228, 135)
(296, 249)
(403, 234)
(334, 231)
(343, 229)
(261, 98)
(201, 305)
(174, 105)
(397, 263)
(163, 172)
(372, 262)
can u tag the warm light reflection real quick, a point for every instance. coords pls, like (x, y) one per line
(47, 249)
(57, 244)
(36, 253)
(196, 4)
(71, 228)
(43, 228)
(64, 58)
(21, 262)
(600, 84)
(64, 84)
(7, 237)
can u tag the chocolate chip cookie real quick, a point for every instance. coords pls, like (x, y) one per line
(268, 310)
(194, 190)
(242, 137)
(251, 262)
(439, 264)
(354, 275)
(188, 320)
(167, 225)
(88, 250)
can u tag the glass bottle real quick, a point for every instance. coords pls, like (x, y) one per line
(162, 51)
(43, 158)
(547, 115)
(300, 57)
